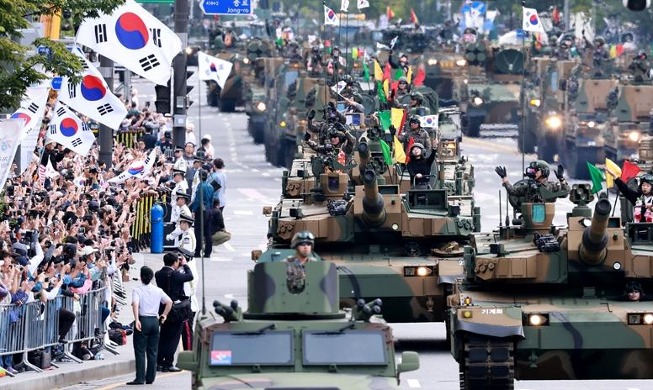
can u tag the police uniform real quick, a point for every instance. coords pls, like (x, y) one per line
(181, 186)
(181, 164)
(190, 290)
(177, 211)
(184, 238)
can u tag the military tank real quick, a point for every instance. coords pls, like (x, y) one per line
(293, 336)
(404, 248)
(543, 302)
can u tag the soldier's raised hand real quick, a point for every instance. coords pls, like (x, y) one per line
(311, 115)
(560, 172)
(501, 171)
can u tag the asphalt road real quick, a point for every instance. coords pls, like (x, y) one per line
(253, 183)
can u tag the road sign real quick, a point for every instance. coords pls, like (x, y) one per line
(56, 83)
(226, 7)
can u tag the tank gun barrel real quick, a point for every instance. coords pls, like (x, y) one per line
(364, 153)
(373, 205)
(595, 239)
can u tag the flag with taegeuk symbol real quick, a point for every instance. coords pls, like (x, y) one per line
(133, 38)
(212, 68)
(31, 110)
(330, 17)
(68, 130)
(92, 96)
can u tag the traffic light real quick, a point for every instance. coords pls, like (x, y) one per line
(67, 23)
(637, 5)
(162, 102)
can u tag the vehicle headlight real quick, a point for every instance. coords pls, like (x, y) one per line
(648, 319)
(188, 50)
(591, 124)
(282, 123)
(261, 106)
(245, 60)
(633, 136)
(538, 319)
(535, 102)
(432, 62)
(461, 62)
(553, 122)
(477, 101)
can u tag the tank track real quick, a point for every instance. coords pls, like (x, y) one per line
(488, 363)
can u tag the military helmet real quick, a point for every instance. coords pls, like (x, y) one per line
(542, 166)
(348, 79)
(417, 96)
(599, 40)
(414, 119)
(403, 79)
(303, 237)
(416, 145)
(357, 97)
(646, 178)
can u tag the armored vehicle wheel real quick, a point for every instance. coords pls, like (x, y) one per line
(227, 105)
(488, 363)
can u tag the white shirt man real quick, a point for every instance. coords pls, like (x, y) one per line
(181, 185)
(180, 207)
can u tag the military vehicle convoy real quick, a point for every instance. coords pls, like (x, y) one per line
(404, 248)
(293, 335)
(539, 301)
(491, 92)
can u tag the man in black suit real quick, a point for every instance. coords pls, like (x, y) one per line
(171, 281)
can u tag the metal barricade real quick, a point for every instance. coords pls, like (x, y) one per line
(142, 227)
(129, 138)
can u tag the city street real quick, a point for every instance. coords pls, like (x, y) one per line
(253, 183)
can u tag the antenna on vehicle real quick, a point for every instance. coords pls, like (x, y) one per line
(507, 211)
(500, 211)
(523, 95)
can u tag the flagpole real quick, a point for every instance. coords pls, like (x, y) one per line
(347, 43)
(523, 98)
(325, 70)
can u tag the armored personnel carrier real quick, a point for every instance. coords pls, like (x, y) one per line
(546, 302)
(404, 248)
(293, 336)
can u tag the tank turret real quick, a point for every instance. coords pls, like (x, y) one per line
(595, 239)
(373, 205)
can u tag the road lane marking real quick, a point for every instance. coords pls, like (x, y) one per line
(252, 193)
(229, 296)
(228, 247)
(413, 383)
(158, 376)
(243, 212)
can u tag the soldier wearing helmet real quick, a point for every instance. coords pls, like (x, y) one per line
(416, 133)
(353, 103)
(403, 88)
(416, 104)
(537, 173)
(640, 66)
(303, 243)
(641, 198)
(419, 166)
(403, 62)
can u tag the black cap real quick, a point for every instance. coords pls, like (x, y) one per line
(186, 218)
(182, 194)
(178, 171)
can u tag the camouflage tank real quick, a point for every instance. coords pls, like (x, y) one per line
(294, 336)
(629, 121)
(543, 302)
(491, 92)
(256, 104)
(235, 88)
(545, 107)
(404, 248)
(589, 103)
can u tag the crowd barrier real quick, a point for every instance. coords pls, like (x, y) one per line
(129, 138)
(35, 325)
(141, 229)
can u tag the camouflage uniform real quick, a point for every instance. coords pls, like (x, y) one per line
(418, 135)
(296, 274)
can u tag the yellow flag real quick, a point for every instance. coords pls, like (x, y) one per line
(354, 53)
(398, 150)
(613, 52)
(613, 169)
(396, 117)
(378, 72)
(409, 74)
(386, 87)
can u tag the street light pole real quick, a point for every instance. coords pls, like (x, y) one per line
(179, 75)
(105, 136)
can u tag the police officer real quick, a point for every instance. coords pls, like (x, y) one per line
(180, 207)
(415, 132)
(303, 243)
(180, 162)
(183, 235)
(538, 172)
(181, 185)
(146, 301)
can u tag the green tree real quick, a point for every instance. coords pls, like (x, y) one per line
(19, 68)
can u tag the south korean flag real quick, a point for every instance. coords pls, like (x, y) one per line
(68, 130)
(132, 37)
(92, 96)
(31, 110)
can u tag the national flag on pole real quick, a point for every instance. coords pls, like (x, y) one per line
(387, 71)
(413, 17)
(389, 13)
(531, 21)
(9, 139)
(92, 96)
(397, 118)
(380, 93)
(138, 168)
(366, 71)
(344, 5)
(330, 17)
(387, 154)
(363, 4)
(419, 77)
(614, 171)
(398, 150)
(385, 120)
(429, 121)
(31, 110)
(378, 72)
(393, 42)
(212, 68)
(629, 170)
(411, 142)
(132, 37)
(340, 85)
(68, 130)
(597, 178)
(409, 74)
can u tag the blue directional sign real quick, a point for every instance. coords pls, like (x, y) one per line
(56, 83)
(226, 7)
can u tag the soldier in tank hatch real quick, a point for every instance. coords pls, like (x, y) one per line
(538, 174)
(303, 243)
